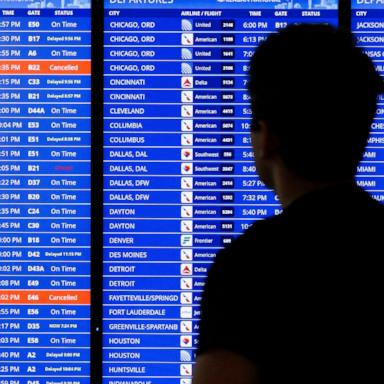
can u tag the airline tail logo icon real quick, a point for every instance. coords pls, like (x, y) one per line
(186, 154)
(186, 69)
(186, 341)
(186, 369)
(187, 96)
(186, 283)
(186, 226)
(186, 139)
(186, 269)
(187, 110)
(187, 125)
(186, 312)
(186, 326)
(186, 25)
(187, 197)
(187, 39)
(185, 355)
(186, 240)
(186, 54)
(186, 168)
(187, 82)
(186, 254)
(186, 298)
(186, 211)
(186, 183)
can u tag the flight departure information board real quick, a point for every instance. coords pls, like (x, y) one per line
(179, 178)
(45, 67)
(368, 27)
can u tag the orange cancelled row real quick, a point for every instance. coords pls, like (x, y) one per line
(45, 297)
(45, 67)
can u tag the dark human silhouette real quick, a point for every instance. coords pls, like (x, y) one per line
(297, 298)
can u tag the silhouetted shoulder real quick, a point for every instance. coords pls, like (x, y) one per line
(316, 266)
(258, 235)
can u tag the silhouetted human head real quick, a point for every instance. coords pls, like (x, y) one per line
(317, 93)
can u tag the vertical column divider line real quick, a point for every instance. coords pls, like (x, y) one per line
(345, 14)
(97, 41)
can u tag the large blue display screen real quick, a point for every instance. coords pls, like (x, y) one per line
(179, 178)
(368, 28)
(45, 94)
(178, 174)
